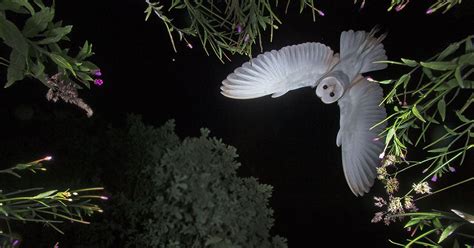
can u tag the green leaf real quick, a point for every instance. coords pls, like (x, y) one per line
(390, 135)
(467, 59)
(37, 68)
(456, 244)
(88, 66)
(439, 65)
(412, 222)
(40, 3)
(2, 211)
(61, 62)
(13, 37)
(386, 81)
(16, 69)
(84, 76)
(85, 51)
(439, 150)
(448, 51)
(38, 22)
(55, 35)
(449, 130)
(437, 223)
(45, 194)
(469, 47)
(427, 72)
(457, 75)
(409, 62)
(442, 109)
(462, 117)
(448, 231)
(17, 6)
(213, 240)
(417, 114)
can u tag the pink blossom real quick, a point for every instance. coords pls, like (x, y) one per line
(97, 73)
(98, 82)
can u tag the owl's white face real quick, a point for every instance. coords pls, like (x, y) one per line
(331, 88)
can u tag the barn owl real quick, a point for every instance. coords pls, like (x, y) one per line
(336, 77)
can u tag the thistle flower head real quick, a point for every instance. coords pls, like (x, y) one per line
(422, 188)
(408, 203)
(389, 160)
(379, 201)
(377, 217)
(392, 185)
(381, 173)
(395, 205)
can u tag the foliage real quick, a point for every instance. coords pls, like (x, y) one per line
(50, 207)
(36, 51)
(438, 5)
(234, 26)
(225, 26)
(177, 193)
(424, 95)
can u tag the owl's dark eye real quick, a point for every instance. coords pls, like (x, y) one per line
(331, 94)
(325, 87)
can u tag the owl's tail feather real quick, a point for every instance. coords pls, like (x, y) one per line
(365, 48)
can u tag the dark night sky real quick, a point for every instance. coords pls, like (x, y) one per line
(288, 142)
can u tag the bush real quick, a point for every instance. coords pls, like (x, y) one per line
(177, 193)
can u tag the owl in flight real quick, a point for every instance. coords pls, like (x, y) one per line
(336, 77)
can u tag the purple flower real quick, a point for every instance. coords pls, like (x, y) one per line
(452, 169)
(320, 12)
(98, 82)
(239, 28)
(429, 11)
(434, 178)
(189, 45)
(15, 242)
(97, 73)
(399, 7)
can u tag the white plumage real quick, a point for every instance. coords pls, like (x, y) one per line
(277, 72)
(336, 78)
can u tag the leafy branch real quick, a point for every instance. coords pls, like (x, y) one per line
(36, 49)
(421, 99)
(439, 5)
(229, 26)
(48, 207)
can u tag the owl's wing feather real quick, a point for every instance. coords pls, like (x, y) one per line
(277, 72)
(359, 50)
(361, 147)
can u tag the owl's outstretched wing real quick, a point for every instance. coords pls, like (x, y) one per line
(359, 52)
(277, 72)
(361, 146)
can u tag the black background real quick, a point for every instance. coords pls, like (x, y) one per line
(288, 142)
